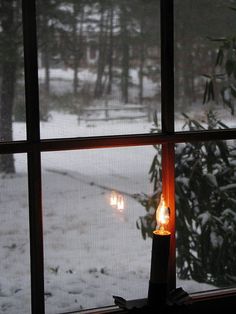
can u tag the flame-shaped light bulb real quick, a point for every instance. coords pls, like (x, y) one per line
(162, 216)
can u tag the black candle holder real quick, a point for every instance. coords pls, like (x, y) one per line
(159, 268)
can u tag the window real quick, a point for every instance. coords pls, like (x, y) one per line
(49, 54)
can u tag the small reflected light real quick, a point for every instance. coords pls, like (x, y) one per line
(120, 203)
(113, 198)
(117, 201)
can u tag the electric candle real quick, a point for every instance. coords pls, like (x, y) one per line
(160, 257)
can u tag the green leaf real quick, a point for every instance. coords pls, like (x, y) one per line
(153, 165)
(227, 102)
(223, 151)
(229, 67)
(233, 91)
(220, 39)
(234, 72)
(232, 8)
(211, 95)
(211, 179)
(206, 76)
(222, 124)
(220, 57)
(205, 92)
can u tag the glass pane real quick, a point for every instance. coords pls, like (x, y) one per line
(206, 215)
(12, 100)
(205, 61)
(99, 67)
(14, 240)
(93, 247)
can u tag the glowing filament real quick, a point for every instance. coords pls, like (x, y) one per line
(162, 214)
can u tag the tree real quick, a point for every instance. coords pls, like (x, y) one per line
(50, 15)
(195, 22)
(205, 205)
(102, 48)
(205, 188)
(111, 47)
(125, 51)
(10, 38)
(145, 38)
(72, 43)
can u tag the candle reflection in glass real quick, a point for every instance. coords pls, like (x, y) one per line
(120, 203)
(117, 201)
(113, 198)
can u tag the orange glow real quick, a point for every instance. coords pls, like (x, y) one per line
(162, 215)
(113, 198)
(120, 203)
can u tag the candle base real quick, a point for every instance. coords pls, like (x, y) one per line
(157, 294)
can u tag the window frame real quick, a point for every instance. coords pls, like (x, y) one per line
(34, 146)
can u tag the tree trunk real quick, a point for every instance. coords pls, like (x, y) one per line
(111, 51)
(125, 54)
(141, 60)
(102, 55)
(46, 60)
(77, 44)
(9, 67)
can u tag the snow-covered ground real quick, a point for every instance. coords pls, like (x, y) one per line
(92, 250)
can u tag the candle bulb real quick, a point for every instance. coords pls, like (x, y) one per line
(160, 257)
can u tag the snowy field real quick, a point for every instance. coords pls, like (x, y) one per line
(92, 250)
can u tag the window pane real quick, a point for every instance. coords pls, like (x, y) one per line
(12, 100)
(206, 215)
(93, 249)
(99, 67)
(14, 241)
(204, 77)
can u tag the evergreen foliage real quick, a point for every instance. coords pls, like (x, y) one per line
(205, 205)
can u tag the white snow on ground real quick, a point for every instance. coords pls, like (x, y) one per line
(67, 74)
(92, 250)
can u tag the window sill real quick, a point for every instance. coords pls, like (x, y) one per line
(218, 300)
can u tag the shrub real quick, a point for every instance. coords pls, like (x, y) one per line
(205, 207)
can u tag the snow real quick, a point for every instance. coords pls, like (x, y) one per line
(92, 250)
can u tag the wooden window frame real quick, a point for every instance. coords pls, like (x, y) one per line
(33, 146)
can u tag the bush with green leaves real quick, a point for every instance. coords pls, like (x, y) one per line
(205, 175)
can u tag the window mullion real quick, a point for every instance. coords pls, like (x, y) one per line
(167, 66)
(34, 158)
(167, 113)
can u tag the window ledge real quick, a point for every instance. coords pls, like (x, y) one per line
(215, 300)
